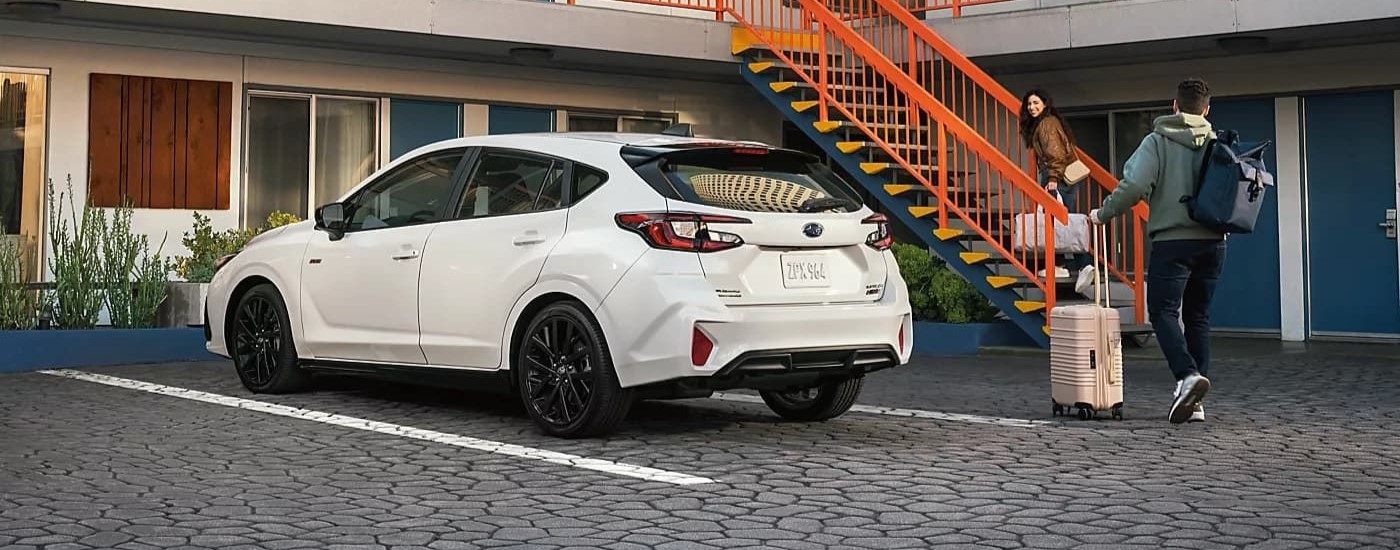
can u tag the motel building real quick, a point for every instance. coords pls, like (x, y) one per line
(236, 109)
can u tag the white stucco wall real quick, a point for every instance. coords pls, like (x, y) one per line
(720, 110)
(1271, 74)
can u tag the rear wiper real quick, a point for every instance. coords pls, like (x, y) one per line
(826, 203)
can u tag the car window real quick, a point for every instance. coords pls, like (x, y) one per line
(415, 192)
(512, 183)
(756, 179)
(586, 180)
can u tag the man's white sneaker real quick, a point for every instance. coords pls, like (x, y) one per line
(1198, 415)
(1189, 392)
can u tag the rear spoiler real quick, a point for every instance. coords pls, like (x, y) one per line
(637, 155)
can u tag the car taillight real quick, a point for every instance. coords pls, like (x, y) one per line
(901, 338)
(881, 239)
(683, 231)
(700, 347)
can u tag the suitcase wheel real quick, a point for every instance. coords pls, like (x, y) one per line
(1085, 413)
(1058, 410)
(1118, 412)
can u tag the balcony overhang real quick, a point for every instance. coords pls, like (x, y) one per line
(577, 37)
(1022, 33)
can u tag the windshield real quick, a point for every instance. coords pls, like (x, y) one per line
(757, 179)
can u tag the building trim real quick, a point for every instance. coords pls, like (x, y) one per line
(1397, 173)
(1292, 259)
(23, 70)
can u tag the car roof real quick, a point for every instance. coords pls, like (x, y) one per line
(621, 139)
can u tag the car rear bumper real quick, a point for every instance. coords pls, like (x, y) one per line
(651, 319)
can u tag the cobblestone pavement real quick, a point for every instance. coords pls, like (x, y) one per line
(1302, 451)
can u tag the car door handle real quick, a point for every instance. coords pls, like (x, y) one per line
(529, 237)
(412, 254)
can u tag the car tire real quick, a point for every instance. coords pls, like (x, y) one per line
(260, 343)
(825, 402)
(565, 374)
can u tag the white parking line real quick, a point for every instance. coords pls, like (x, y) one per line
(618, 468)
(914, 413)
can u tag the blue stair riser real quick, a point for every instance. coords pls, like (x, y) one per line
(1003, 298)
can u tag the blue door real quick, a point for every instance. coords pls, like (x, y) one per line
(413, 124)
(1247, 297)
(519, 120)
(1353, 271)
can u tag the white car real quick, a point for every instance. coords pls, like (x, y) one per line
(588, 270)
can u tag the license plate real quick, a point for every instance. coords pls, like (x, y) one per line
(805, 271)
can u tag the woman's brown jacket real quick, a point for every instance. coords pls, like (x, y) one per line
(1053, 150)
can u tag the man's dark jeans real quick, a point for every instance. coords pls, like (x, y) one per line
(1181, 275)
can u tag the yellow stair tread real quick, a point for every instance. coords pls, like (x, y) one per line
(945, 233)
(826, 126)
(802, 106)
(760, 66)
(1027, 306)
(999, 282)
(850, 146)
(974, 257)
(921, 211)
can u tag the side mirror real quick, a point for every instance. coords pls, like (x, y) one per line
(331, 219)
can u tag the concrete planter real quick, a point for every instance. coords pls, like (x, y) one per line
(28, 350)
(183, 305)
(945, 339)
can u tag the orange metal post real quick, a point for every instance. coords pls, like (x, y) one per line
(1049, 266)
(943, 199)
(822, 70)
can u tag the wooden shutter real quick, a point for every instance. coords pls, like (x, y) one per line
(159, 142)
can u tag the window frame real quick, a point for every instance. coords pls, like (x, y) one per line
(454, 196)
(566, 188)
(607, 177)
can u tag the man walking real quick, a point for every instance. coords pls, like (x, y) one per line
(1186, 256)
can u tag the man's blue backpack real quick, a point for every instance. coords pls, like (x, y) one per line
(1231, 184)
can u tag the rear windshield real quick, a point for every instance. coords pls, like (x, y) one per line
(757, 180)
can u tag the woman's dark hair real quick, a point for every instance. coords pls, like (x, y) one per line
(1028, 122)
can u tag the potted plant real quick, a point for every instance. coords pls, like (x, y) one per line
(185, 306)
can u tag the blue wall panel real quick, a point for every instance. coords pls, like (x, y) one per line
(413, 124)
(1248, 294)
(519, 120)
(1352, 272)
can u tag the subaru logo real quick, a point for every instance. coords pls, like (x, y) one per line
(812, 230)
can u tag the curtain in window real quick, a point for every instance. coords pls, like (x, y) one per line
(279, 140)
(345, 145)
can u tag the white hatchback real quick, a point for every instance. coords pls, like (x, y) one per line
(586, 270)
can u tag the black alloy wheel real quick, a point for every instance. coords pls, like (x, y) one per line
(260, 341)
(565, 374)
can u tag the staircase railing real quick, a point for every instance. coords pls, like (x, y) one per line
(977, 98)
(970, 179)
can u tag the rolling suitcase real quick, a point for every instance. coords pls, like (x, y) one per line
(1086, 361)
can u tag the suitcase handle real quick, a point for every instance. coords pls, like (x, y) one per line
(1101, 294)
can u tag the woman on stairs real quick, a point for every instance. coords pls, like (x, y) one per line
(1046, 133)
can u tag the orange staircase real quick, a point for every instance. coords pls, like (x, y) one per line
(932, 137)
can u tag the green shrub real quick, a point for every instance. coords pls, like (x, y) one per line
(76, 262)
(128, 260)
(206, 246)
(18, 305)
(937, 293)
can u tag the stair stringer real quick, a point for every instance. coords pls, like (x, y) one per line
(1032, 324)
